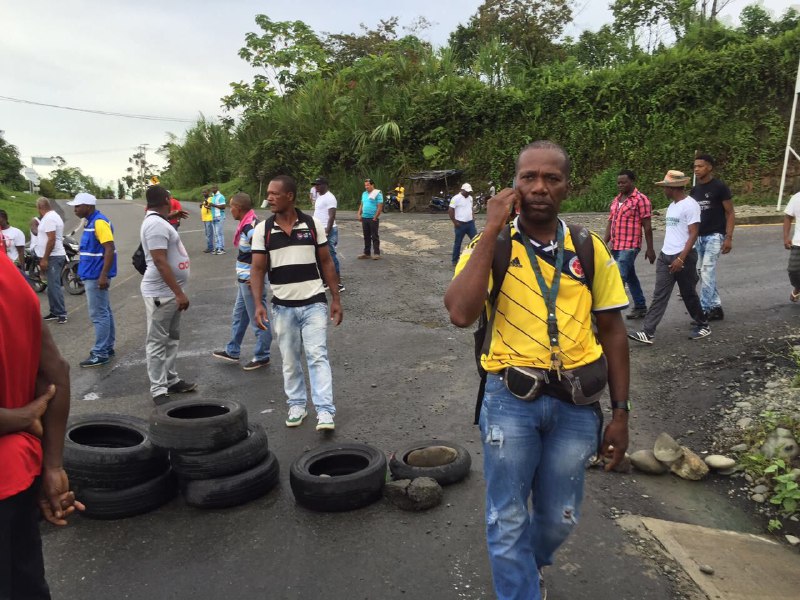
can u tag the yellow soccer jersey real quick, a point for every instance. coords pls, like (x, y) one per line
(205, 213)
(519, 334)
(102, 231)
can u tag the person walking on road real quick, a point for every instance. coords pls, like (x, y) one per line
(460, 212)
(244, 308)
(52, 259)
(208, 223)
(96, 267)
(218, 206)
(325, 213)
(369, 213)
(164, 297)
(538, 432)
(289, 246)
(32, 430)
(717, 220)
(677, 262)
(13, 240)
(792, 243)
(629, 214)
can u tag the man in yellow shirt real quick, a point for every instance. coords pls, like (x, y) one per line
(208, 223)
(540, 420)
(401, 195)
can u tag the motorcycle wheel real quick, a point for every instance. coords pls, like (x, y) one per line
(70, 280)
(35, 279)
(477, 207)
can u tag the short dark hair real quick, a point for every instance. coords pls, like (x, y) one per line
(628, 173)
(288, 184)
(369, 181)
(547, 145)
(4, 214)
(242, 199)
(156, 196)
(708, 158)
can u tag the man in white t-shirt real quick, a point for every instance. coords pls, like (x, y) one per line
(50, 248)
(792, 213)
(460, 212)
(13, 239)
(677, 262)
(325, 213)
(313, 194)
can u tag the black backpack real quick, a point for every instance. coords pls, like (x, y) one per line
(139, 260)
(269, 224)
(581, 239)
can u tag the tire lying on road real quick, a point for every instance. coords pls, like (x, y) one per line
(198, 425)
(111, 451)
(233, 490)
(239, 457)
(452, 472)
(338, 478)
(129, 502)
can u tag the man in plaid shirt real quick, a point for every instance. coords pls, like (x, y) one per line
(630, 213)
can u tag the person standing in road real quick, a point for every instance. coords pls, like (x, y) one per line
(176, 212)
(32, 432)
(460, 212)
(325, 213)
(401, 195)
(629, 214)
(13, 240)
(244, 308)
(208, 223)
(792, 243)
(218, 206)
(677, 261)
(289, 246)
(52, 258)
(717, 219)
(164, 298)
(369, 213)
(537, 433)
(96, 266)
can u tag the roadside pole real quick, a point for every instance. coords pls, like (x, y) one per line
(789, 138)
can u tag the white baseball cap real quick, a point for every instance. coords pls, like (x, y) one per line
(83, 198)
(466, 187)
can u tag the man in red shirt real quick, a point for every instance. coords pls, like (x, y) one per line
(630, 213)
(31, 437)
(176, 212)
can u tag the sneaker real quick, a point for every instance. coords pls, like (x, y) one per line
(325, 421)
(256, 364)
(341, 287)
(111, 353)
(182, 387)
(50, 317)
(363, 256)
(542, 587)
(637, 312)
(94, 361)
(716, 314)
(296, 415)
(161, 399)
(696, 323)
(62, 320)
(376, 257)
(641, 336)
(208, 251)
(221, 354)
(699, 332)
(221, 251)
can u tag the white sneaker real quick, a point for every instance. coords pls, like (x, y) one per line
(296, 416)
(325, 421)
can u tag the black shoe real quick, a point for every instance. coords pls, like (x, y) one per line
(703, 323)
(161, 399)
(221, 354)
(50, 317)
(62, 320)
(182, 387)
(256, 364)
(716, 314)
(111, 353)
(94, 361)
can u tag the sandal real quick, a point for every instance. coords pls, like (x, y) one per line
(795, 296)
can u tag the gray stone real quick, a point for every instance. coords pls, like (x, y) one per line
(760, 489)
(666, 449)
(780, 444)
(421, 493)
(707, 569)
(744, 423)
(740, 448)
(646, 462)
(771, 385)
(730, 471)
(432, 456)
(690, 466)
(794, 541)
(757, 498)
(717, 461)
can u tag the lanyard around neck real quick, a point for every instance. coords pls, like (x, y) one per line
(549, 293)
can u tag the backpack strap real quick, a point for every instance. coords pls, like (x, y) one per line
(584, 248)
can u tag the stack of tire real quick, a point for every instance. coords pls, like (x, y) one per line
(114, 468)
(219, 458)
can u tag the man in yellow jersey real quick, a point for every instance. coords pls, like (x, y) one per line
(208, 223)
(540, 420)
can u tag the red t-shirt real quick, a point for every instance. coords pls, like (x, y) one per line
(173, 206)
(20, 344)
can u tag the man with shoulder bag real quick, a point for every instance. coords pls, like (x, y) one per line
(536, 284)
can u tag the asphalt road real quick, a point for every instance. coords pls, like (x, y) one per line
(401, 373)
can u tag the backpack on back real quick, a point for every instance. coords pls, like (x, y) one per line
(139, 260)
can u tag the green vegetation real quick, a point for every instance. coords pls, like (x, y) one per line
(20, 206)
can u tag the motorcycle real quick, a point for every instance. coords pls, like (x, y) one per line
(441, 202)
(479, 203)
(70, 279)
(391, 203)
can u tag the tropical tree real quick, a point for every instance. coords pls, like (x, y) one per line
(10, 165)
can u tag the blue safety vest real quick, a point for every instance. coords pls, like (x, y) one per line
(91, 250)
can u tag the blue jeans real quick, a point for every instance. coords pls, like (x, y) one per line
(55, 293)
(218, 233)
(709, 247)
(244, 310)
(209, 229)
(535, 449)
(102, 318)
(333, 241)
(299, 328)
(461, 230)
(627, 270)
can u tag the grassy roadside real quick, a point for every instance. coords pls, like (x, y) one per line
(20, 206)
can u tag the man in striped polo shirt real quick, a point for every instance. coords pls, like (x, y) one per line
(244, 307)
(291, 246)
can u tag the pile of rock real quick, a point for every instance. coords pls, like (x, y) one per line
(668, 455)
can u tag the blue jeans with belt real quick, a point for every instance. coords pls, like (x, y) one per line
(102, 318)
(55, 292)
(537, 450)
(219, 237)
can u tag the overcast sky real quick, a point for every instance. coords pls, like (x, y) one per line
(168, 58)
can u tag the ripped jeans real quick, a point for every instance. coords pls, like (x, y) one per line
(535, 449)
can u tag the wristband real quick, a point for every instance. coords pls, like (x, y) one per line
(624, 405)
(680, 259)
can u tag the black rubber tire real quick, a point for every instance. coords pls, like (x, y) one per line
(357, 473)
(111, 452)
(444, 475)
(234, 459)
(233, 490)
(70, 280)
(129, 502)
(198, 425)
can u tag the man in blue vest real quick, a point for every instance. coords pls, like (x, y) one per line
(98, 264)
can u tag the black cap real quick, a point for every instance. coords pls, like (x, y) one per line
(320, 181)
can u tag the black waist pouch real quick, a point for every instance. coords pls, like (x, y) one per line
(585, 384)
